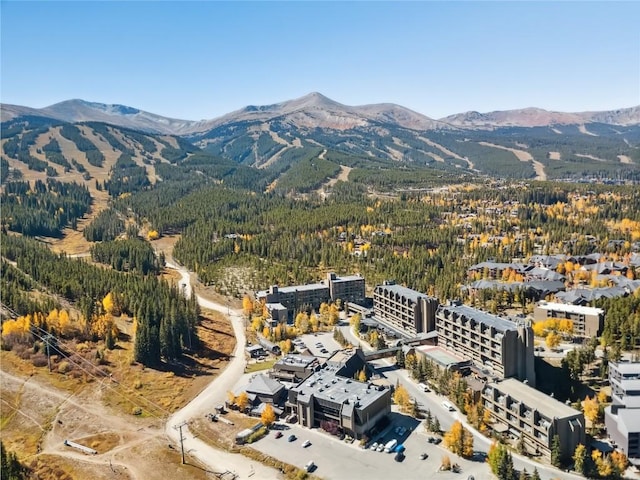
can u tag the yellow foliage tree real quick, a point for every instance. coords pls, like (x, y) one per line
(108, 303)
(592, 410)
(286, 346)
(401, 397)
(153, 235)
(619, 461)
(552, 340)
(268, 416)
(242, 401)
(256, 323)
(247, 305)
(362, 375)
(18, 327)
(459, 440)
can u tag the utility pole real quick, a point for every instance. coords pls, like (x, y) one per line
(47, 340)
(179, 427)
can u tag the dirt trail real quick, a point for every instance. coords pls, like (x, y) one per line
(523, 157)
(78, 416)
(625, 159)
(590, 157)
(343, 176)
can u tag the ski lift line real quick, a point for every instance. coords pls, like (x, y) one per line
(120, 394)
(105, 375)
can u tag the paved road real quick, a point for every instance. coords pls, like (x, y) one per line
(214, 394)
(334, 458)
(432, 401)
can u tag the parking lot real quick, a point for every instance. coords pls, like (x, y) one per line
(320, 344)
(336, 459)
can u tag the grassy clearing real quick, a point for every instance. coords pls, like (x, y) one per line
(259, 366)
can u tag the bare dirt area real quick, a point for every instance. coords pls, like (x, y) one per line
(554, 155)
(121, 416)
(590, 157)
(625, 159)
(584, 130)
(343, 176)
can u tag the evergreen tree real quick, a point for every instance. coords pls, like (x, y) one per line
(400, 358)
(556, 452)
(535, 475)
(10, 466)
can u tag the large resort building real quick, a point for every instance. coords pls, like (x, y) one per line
(352, 406)
(587, 321)
(518, 410)
(404, 309)
(502, 347)
(298, 297)
(622, 417)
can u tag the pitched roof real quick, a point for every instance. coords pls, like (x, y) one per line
(263, 385)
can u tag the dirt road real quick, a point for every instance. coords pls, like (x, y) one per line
(215, 394)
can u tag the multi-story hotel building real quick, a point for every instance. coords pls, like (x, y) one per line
(500, 345)
(348, 289)
(298, 297)
(404, 309)
(587, 321)
(622, 417)
(518, 410)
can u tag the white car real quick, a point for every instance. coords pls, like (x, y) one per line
(306, 443)
(309, 466)
(374, 446)
(380, 448)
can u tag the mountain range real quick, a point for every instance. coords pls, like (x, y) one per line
(524, 143)
(317, 111)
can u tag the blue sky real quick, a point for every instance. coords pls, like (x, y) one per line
(203, 59)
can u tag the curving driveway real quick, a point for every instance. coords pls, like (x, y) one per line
(216, 393)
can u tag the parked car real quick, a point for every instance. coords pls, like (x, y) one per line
(399, 457)
(374, 446)
(437, 440)
(424, 456)
(310, 466)
(291, 438)
(306, 443)
(278, 434)
(380, 447)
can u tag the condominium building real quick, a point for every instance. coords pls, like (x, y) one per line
(348, 289)
(497, 344)
(298, 297)
(404, 309)
(517, 410)
(622, 417)
(587, 321)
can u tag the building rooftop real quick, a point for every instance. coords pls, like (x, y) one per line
(295, 360)
(630, 418)
(275, 306)
(402, 291)
(326, 385)
(261, 384)
(546, 405)
(568, 308)
(300, 288)
(499, 323)
(626, 368)
(441, 356)
(348, 278)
